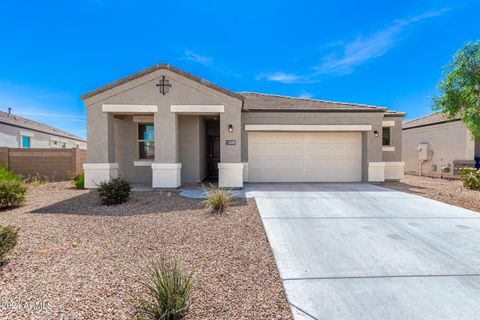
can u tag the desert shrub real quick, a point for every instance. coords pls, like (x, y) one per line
(8, 240)
(116, 191)
(79, 181)
(37, 179)
(166, 292)
(6, 175)
(218, 199)
(12, 193)
(470, 178)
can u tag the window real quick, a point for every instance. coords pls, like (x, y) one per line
(25, 142)
(63, 145)
(146, 145)
(386, 136)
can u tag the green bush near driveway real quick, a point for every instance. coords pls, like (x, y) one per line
(8, 241)
(113, 192)
(167, 291)
(470, 178)
(6, 175)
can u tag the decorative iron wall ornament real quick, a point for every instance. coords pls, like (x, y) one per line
(164, 85)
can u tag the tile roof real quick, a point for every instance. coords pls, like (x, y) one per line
(263, 102)
(153, 69)
(22, 122)
(433, 118)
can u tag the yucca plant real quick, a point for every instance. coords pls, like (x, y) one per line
(167, 291)
(218, 199)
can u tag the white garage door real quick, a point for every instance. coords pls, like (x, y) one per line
(304, 156)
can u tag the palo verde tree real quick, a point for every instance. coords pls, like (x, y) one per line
(459, 90)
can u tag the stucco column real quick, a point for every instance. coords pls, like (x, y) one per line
(166, 171)
(100, 164)
(231, 167)
(374, 166)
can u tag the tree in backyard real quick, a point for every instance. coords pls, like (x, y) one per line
(459, 95)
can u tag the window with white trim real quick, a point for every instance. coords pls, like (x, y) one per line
(146, 145)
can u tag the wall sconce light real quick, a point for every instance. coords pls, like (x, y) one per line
(230, 128)
(375, 133)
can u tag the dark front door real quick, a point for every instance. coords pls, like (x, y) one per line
(213, 157)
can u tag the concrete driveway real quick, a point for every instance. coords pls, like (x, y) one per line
(358, 251)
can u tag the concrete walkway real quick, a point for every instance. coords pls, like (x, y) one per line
(358, 251)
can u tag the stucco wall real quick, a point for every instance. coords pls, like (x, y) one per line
(191, 137)
(395, 140)
(144, 91)
(447, 142)
(371, 145)
(126, 151)
(10, 137)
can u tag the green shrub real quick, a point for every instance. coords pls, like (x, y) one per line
(470, 178)
(218, 199)
(8, 240)
(12, 193)
(6, 175)
(79, 181)
(167, 291)
(116, 191)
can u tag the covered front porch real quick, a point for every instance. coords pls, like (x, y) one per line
(166, 147)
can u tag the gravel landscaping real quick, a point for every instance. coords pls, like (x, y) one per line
(76, 259)
(448, 191)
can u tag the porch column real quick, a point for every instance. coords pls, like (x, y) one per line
(231, 167)
(100, 165)
(166, 170)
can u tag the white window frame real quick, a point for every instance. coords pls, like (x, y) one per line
(140, 161)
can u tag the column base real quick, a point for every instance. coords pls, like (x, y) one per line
(230, 175)
(394, 170)
(166, 175)
(96, 173)
(376, 171)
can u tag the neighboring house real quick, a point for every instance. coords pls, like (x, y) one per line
(167, 127)
(437, 147)
(19, 132)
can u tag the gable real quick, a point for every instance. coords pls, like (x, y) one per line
(146, 78)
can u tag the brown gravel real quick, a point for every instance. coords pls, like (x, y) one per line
(236, 276)
(448, 191)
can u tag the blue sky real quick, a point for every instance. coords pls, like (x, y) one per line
(387, 53)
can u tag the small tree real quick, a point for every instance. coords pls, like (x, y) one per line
(460, 88)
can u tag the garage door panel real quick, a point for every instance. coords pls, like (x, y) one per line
(305, 156)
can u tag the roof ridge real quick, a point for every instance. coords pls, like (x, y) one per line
(314, 100)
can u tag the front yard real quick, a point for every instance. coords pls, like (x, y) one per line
(448, 191)
(82, 260)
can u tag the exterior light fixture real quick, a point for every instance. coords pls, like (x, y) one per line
(230, 128)
(375, 133)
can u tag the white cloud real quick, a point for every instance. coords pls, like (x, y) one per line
(374, 45)
(305, 95)
(282, 77)
(192, 56)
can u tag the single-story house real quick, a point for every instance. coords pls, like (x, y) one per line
(437, 147)
(20, 132)
(167, 127)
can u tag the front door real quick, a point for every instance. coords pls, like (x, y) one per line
(213, 157)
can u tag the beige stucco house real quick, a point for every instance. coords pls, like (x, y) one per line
(437, 147)
(166, 127)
